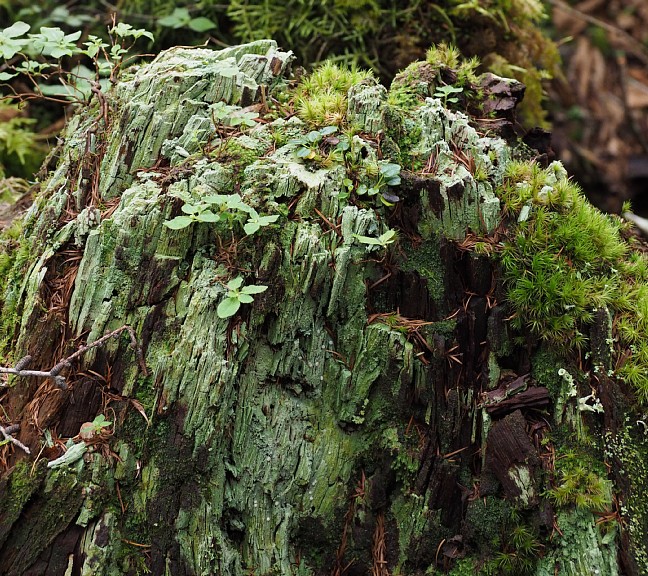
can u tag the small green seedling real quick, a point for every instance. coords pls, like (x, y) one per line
(91, 429)
(255, 221)
(228, 115)
(194, 213)
(237, 296)
(213, 207)
(444, 92)
(389, 176)
(383, 240)
(307, 147)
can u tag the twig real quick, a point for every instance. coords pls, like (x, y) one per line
(6, 432)
(633, 45)
(55, 371)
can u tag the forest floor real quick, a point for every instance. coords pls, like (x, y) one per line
(599, 108)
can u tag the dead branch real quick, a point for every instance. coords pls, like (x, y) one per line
(6, 433)
(55, 372)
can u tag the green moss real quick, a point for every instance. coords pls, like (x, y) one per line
(235, 153)
(580, 481)
(20, 485)
(449, 57)
(321, 97)
(628, 451)
(565, 259)
(14, 263)
(404, 446)
(544, 370)
(406, 134)
(425, 260)
(486, 522)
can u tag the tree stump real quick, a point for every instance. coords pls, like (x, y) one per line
(357, 417)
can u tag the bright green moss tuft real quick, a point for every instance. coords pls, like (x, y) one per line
(563, 260)
(322, 96)
(578, 483)
(448, 56)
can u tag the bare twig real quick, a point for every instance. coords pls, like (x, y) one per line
(6, 432)
(631, 44)
(55, 371)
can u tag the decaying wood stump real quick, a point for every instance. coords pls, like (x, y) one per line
(368, 413)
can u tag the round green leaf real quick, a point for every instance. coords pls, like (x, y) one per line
(253, 289)
(178, 222)
(228, 307)
(208, 216)
(201, 24)
(251, 227)
(190, 208)
(245, 298)
(235, 283)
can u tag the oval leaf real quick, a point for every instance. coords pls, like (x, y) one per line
(178, 222)
(190, 208)
(251, 227)
(254, 289)
(235, 283)
(201, 24)
(228, 307)
(208, 216)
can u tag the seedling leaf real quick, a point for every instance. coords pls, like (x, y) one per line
(178, 222)
(228, 307)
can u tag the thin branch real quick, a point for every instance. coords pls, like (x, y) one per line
(55, 372)
(6, 432)
(633, 45)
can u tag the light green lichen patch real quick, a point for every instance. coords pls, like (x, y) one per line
(628, 449)
(177, 86)
(467, 199)
(580, 548)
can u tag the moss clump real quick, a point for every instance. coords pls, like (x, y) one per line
(322, 96)
(564, 260)
(627, 451)
(580, 482)
(444, 74)
(545, 372)
(485, 522)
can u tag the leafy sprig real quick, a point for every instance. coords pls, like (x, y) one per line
(37, 58)
(211, 208)
(237, 294)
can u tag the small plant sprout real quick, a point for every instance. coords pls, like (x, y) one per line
(199, 212)
(308, 146)
(233, 116)
(213, 207)
(444, 93)
(91, 429)
(255, 222)
(383, 240)
(388, 175)
(237, 294)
